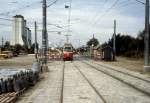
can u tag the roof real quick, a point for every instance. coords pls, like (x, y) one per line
(18, 16)
(98, 46)
(67, 44)
(107, 46)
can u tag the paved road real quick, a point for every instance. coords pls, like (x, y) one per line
(87, 82)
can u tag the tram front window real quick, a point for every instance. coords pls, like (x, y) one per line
(68, 49)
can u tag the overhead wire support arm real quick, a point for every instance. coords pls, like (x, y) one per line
(52, 3)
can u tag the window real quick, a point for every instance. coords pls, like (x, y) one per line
(68, 49)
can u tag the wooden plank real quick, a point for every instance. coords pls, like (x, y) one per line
(11, 100)
(4, 100)
(10, 97)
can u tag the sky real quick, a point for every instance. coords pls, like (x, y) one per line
(88, 17)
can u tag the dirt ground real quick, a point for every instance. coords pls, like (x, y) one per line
(27, 60)
(24, 61)
(132, 64)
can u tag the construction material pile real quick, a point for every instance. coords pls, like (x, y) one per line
(15, 80)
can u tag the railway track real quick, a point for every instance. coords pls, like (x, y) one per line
(119, 79)
(92, 86)
(62, 85)
(125, 73)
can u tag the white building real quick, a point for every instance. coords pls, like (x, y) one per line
(18, 30)
(29, 43)
(21, 33)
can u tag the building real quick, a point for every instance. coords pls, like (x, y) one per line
(21, 33)
(28, 38)
(107, 53)
(103, 53)
(98, 52)
(18, 30)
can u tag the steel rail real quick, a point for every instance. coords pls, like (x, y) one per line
(119, 79)
(94, 88)
(125, 73)
(62, 85)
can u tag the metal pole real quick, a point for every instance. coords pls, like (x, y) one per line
(146, 38)
(36, 49)
(69, 19)
(44, 33)
(67, 36)
(114, 40)
(93, 47)
(2, 42)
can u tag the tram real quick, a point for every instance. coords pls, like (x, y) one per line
(68, 52)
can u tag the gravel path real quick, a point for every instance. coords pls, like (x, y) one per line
(48, 90)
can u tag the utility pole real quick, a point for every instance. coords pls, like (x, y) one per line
(36, 46)
(44, 35)
(92, 47)
(2, 42)
(146, 38)
(67, 38)
(69, 19)
(114, 41)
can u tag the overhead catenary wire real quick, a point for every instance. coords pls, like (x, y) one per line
(18, 9)
(140, 2)
(106, 11)
(124, 4)
(97, 13)
(54, 2)
(26, 6)
(113, 5)
(6, 19)
(11, 20)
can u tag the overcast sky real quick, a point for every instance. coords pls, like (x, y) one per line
(88, 17)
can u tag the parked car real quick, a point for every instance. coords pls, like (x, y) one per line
(7, 54)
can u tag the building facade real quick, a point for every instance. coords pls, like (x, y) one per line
(29, 43)
(18, 30)
(21, 33)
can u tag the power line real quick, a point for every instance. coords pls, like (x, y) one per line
(113, 5)
(125, 3)
(140, 2)
(52, 3)
(56, 25)
(110, 8)
(16, 10)
(4, 25)
(6, 19)
(97, 13)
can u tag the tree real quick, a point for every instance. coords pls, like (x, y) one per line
(125, 44)
(92, 42)
(7, 45)
(33, 47)
(18, 48)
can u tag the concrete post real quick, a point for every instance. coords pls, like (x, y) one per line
(44, 36)
(36, 49)
(146, 38)
(114, 41)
